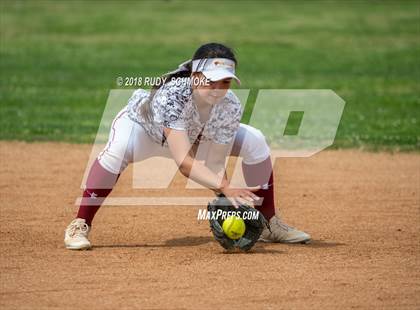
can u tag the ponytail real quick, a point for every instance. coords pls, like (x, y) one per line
(183, 70)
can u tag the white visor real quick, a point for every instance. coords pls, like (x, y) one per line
(215, 69)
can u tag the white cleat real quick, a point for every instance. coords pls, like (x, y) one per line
(283, 233)
(76, 235)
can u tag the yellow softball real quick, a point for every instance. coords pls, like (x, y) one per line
(234, 227)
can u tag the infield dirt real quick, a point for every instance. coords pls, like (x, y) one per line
(362, 210)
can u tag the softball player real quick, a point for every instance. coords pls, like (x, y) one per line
(192, 107)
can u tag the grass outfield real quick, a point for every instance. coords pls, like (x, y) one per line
(59, 60)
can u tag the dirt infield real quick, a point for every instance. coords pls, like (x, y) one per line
(362, 209)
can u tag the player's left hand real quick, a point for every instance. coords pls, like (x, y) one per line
(254, 224)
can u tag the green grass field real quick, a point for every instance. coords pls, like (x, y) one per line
(58, 60)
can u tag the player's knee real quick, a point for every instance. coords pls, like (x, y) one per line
(114, 160)
(256, 147)
(255, 139)
(258, 136)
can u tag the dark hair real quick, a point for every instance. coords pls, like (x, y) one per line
(209, 50)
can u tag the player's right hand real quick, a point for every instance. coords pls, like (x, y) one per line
(238, 196)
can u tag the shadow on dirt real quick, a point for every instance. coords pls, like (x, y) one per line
(257, 249)
(199, 240)
(318, 244)
(176, 242)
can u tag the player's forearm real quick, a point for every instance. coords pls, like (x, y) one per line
(219, 169)
(201, 174)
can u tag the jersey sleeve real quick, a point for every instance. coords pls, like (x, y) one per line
(168, 106)
(229, 119)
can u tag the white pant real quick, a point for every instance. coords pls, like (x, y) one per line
(128, 142)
